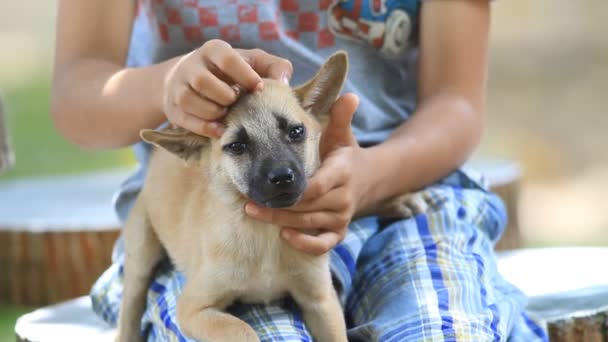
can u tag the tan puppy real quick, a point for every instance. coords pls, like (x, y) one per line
(191, 206)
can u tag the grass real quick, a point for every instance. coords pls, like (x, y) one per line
(8, 316)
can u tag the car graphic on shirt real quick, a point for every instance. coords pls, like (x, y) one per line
(385, 24)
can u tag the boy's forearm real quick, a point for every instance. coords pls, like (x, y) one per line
(98, 104)
(437, 139)
(448, 123)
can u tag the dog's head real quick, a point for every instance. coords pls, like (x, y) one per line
(271, 142)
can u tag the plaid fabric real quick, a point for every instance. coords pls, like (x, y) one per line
(431, 277)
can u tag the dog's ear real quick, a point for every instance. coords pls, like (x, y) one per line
(319, 93)
(178, 141)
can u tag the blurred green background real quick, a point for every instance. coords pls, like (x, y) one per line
(38, 147)
(547, 109)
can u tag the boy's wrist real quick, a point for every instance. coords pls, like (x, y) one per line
(382, 179)
(371, 176)
(164, 69)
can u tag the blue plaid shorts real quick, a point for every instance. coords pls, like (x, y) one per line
(432, 277)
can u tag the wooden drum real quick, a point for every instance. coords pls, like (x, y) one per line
(504, 177)
(568, 289)
(56, 236)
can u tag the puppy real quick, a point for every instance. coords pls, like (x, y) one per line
(191, 206)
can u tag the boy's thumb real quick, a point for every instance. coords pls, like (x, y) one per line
(338, 132)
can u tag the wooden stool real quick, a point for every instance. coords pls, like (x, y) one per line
(504, 177)
(56, 236)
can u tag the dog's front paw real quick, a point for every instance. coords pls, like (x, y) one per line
(250, 336)
(229, 334)
(135, 336)
(405, 206)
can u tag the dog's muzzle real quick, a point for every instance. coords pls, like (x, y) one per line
(282, 188)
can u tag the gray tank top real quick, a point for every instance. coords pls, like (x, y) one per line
(379, 36)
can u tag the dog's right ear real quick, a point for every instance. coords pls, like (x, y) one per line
(319, 93)
(178, 141)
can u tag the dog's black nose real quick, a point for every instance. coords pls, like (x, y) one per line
(281, 176)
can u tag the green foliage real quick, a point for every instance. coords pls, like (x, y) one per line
(8, 317)
(39, 148)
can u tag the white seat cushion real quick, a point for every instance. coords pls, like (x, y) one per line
(562, 283)
(71, 321)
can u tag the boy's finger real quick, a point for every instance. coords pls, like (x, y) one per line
(338, 132)
(327, 177)
(233, 65)
(190, 102)
(342, 113)
(209, 85)
(310, 220)
(311, 244)
(198, 126)
(267, 65)
(333, 200)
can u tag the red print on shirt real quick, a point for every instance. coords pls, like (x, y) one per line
(248, 13)
(193, 33)
(208, 16)
(308, 22)
(173, 16)
(289, 5)
(195, 20)
(230, 33)
(268, 30)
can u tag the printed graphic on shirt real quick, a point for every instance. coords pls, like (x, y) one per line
(385, 24)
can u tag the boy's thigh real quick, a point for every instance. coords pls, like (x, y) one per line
(434, 276)
(278, 321)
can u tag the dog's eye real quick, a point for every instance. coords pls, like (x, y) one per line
(236, 148)
(296, 133)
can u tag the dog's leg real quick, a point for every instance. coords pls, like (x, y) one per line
(143, 251)
(400, 207)
(321, 308)
(200, 313)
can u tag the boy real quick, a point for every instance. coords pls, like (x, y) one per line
(418, 69)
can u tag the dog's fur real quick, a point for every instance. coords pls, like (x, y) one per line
(191, 206)
(192, 203)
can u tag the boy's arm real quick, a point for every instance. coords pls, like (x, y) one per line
(448, 123)
(98, 103)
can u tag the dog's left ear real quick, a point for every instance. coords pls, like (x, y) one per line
(182, 143)
(319, 93)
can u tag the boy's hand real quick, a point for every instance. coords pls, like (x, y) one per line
(333, 193)
(200, 86)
